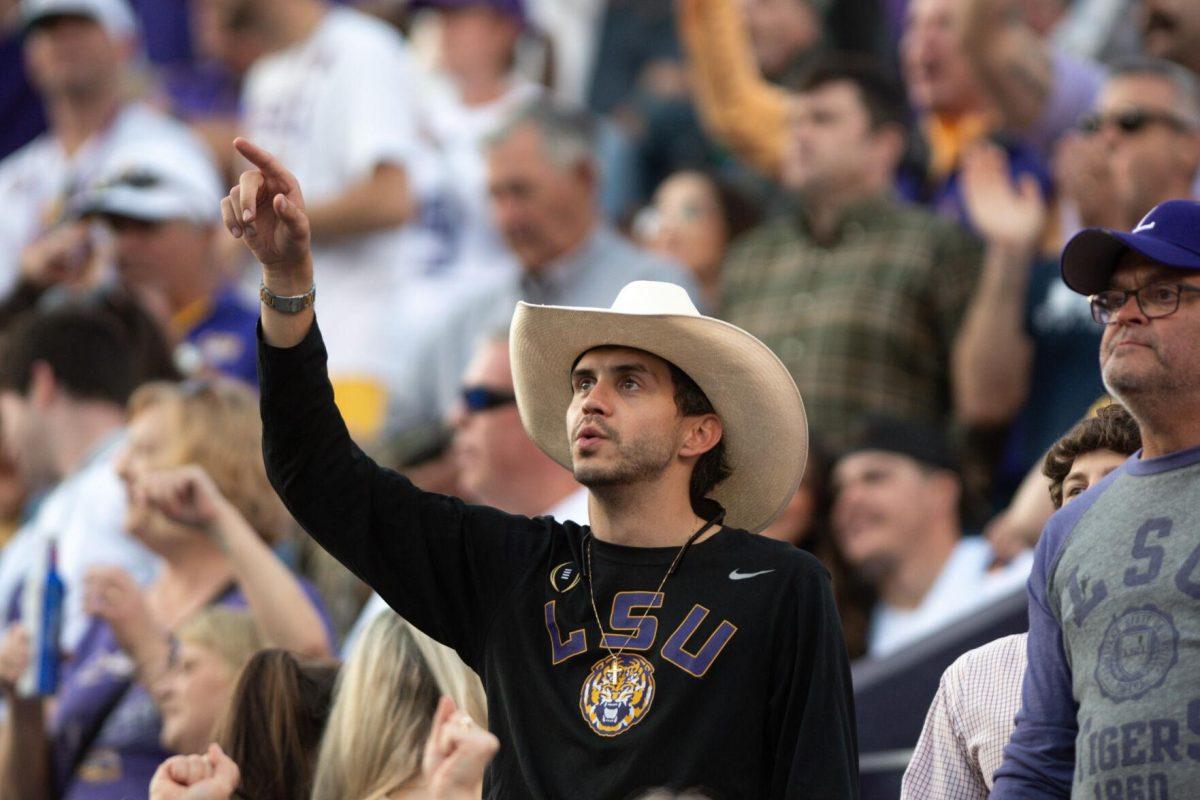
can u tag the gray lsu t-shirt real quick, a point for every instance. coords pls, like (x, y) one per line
(1114, 650)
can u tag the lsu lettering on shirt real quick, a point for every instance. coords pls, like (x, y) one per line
(1114, 647)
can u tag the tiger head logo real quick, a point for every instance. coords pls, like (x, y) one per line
(617, 693)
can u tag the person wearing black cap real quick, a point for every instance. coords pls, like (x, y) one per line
(897, 493)
(1111, 696)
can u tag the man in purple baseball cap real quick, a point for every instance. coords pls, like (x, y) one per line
(1113, 682)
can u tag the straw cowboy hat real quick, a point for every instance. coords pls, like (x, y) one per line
(765, 428)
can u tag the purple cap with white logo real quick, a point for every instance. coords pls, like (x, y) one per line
(1168, 235)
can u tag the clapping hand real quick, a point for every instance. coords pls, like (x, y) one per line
(111, 594)
(456, 754)
(1004, 213)
(212, 776)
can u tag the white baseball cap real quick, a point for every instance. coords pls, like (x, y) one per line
(154, 182)
(114, 16)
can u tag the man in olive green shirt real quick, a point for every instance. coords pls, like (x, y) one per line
(860, 295)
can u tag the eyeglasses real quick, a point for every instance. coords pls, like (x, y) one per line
(1132, 121)
(481, 398)
(1157, 300)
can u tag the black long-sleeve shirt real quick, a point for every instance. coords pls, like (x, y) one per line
(734, 681)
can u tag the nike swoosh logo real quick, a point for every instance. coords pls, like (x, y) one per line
(741, 576)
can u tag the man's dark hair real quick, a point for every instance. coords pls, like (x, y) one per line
(881, 94)
(1112, 428)
(87, 351)
(712, 467)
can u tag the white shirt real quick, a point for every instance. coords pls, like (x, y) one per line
(573, 27)
(969, 722)
(453, 244)
(333, 108)
(38, 180)
(85, 512)
(964, 585)
(459, 131)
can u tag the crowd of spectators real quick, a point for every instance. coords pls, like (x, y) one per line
(877, 190)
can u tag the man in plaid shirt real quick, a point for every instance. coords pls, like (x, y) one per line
(858, 294)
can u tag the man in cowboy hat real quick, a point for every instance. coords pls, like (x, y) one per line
(658, 647)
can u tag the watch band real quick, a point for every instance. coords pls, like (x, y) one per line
(285, 304)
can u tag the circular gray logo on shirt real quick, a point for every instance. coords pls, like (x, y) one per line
(1138, 650)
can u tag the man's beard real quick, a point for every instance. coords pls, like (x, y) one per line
(636, 463)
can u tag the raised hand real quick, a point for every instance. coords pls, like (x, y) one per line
(266, 211)
(456, 754)
(111, 594)
(1003, 213)
(212, 776)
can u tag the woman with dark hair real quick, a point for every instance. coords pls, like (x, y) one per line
(694, 217)
(272, 728)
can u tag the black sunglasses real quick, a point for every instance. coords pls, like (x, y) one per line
(1132, 121)
(481, 398)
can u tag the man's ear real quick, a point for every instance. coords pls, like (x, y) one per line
(701, 433)
(43, 386)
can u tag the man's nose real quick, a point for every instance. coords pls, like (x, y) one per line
(597, 402)
(1129, 314)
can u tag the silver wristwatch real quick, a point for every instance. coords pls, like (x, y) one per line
(293, 304)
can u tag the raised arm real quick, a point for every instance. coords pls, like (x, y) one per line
(266, 211)
(285, 614)
(734, 100)
(442, 564)
(993, 355)
(1014, 62)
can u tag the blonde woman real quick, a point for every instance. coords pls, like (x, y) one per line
(210, 650)
(383, 710)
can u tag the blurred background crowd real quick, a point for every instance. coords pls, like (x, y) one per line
(877, 189)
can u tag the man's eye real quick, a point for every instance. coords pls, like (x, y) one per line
(629, 383)
(583, 384)
(1162, 294)
(1074, 490)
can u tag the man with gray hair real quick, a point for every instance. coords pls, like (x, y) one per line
(543, 185)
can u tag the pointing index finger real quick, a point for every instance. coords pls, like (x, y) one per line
(261, 159)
